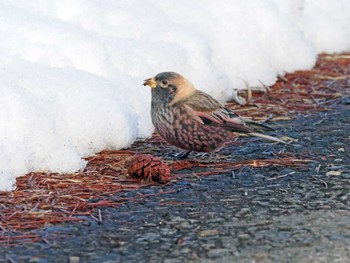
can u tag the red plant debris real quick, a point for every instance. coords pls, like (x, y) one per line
(43, 199)
(301, 91)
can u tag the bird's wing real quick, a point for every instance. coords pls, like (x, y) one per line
(224, 118)
(211, 112)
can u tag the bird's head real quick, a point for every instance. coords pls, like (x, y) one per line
(170, 87)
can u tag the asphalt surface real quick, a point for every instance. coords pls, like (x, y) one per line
(269, 214)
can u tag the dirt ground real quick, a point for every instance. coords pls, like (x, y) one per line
(257, 202)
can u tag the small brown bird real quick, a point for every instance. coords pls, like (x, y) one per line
(193, 120)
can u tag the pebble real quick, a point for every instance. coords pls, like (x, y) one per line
(148, 237)
(173, 260)
(219, 252)
(74, 259)
(209, 232)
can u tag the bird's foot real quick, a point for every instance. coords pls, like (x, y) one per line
(206, 157)
(182, 155)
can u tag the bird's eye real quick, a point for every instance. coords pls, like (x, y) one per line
(165, 82)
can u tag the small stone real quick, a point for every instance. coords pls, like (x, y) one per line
(215, 220)
(168, 231)
(149, 224)
(243, 236)
(244, 211)
(185, 250)
(263, 204)
(152, 237)
(185, 225)
(208, 246)
(228, 242)
(341, 150)
(333, 173)
(74, 259)
(344, 197)
(209, 232)
(172, 260)
(218, 253)
(193, 221)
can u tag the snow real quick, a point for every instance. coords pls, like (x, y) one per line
(71, 70)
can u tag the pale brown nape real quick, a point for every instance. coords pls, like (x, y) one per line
(184, 88)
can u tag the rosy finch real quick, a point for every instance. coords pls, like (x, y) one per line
(193, 120)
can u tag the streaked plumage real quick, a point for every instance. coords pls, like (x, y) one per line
(193, 120)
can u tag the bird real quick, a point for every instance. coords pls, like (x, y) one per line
(193, 120)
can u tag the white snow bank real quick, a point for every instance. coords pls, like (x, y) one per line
(71, 71)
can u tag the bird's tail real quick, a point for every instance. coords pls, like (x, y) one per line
(268, 137)
(256, 126)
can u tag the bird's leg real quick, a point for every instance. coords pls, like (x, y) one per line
(183, 155)
(206, 157)
(212, 157)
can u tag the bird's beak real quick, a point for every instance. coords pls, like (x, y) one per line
(150, 82)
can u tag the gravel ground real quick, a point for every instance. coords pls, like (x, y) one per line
(270, 214)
